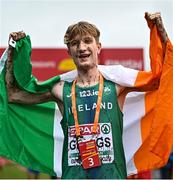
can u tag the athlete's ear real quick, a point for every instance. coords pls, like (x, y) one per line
(68, 51)
(99, 46)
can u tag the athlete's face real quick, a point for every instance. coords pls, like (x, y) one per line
(84, 50)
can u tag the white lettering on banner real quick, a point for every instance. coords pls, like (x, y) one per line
(44, 64)
(131, 63)
(103, 138)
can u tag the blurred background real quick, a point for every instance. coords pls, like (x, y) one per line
(124, 37)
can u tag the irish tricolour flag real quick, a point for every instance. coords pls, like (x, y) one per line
(32, 136)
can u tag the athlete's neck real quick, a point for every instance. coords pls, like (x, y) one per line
(88, 77)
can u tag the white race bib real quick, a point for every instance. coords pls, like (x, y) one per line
(103, 140)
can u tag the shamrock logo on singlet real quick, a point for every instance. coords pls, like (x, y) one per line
(107, 90)
(105, 129)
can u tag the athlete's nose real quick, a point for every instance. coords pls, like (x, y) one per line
(81, 46)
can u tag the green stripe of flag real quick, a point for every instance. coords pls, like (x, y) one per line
(26, 132)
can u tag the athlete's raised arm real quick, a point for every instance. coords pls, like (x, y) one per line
(15, 94)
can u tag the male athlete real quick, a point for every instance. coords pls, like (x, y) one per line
(90, 105)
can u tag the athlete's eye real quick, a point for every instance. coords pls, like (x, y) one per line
(73, 43)
(88, 40)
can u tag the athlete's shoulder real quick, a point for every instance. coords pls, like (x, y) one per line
(57, 90)
(59, 84)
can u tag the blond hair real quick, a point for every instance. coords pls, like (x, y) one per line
(81, 28)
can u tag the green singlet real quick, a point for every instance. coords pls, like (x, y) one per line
(108, 140)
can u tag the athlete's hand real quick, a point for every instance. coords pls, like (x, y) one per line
(155, 18)
(17, 35)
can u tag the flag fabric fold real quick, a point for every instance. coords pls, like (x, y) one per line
(164, 109)
(31, 134)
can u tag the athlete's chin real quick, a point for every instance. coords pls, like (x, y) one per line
(84, 66)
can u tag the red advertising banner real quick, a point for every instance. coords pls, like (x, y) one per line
(128, 57)
(51, 62)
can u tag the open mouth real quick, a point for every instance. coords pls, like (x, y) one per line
(84, 56)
